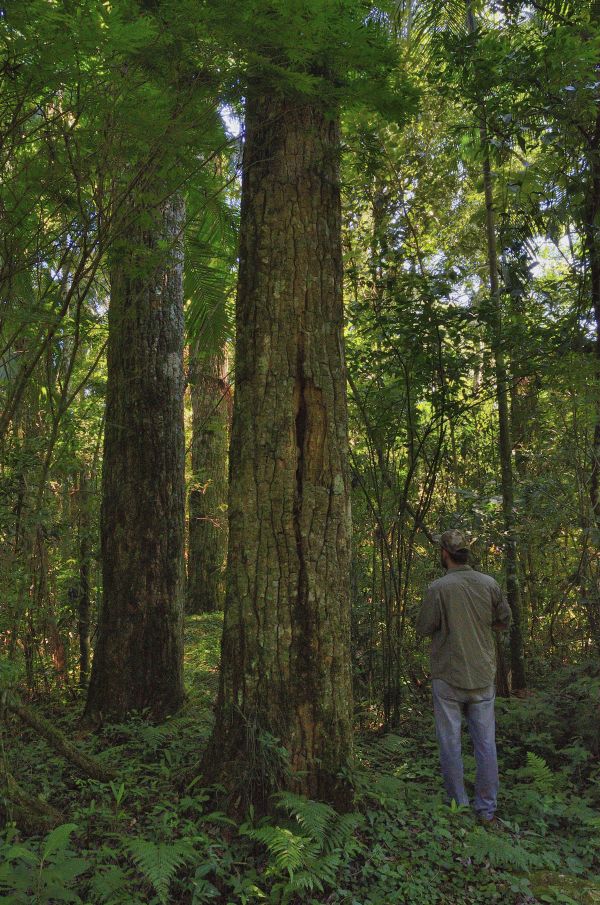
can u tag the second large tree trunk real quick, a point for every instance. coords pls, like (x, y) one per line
(139, 651)
(285, 677)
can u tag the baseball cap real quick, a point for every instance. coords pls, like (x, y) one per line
(453, 541)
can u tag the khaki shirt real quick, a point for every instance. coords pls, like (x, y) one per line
(460, 612)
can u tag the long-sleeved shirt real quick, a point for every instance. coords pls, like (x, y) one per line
(459, 613)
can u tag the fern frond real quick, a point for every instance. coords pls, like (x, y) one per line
(382, 753)
(317, 873)
(315, 817)
(158, 861)
(538, 773)
(385, 788)
(499, 851)
(109, 885)
(342, 836)
(311, 859)
(391, 743)
(289, 850)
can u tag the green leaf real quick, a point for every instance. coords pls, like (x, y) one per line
(58, 840)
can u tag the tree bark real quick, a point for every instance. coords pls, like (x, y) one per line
(83, 586)
(207, 546)
(285, 670)
(138, 660)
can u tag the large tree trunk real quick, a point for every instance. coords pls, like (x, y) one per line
(207, 545)
(138, 657)
(286, 655)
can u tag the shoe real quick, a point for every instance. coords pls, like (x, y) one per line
(490, 823)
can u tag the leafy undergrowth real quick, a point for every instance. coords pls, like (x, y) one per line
(142, 840)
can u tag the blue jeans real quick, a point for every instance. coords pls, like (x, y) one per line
(449, 704)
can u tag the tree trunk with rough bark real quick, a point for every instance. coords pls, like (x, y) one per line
(138, 661)
(207, 545)
(285, 675)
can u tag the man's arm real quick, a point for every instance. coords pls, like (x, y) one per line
(428, 619)
(501, 614)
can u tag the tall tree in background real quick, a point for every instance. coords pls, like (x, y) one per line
(167, 98)
(138, 660)
(210, 395)
(212, 244)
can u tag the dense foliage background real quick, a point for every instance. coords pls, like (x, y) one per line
(470, 183)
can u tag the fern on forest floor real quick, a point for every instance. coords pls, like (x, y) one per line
(158, 861)
(142, 842)
(306, 853)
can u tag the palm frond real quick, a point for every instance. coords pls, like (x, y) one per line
(209, 272)
(435, 16)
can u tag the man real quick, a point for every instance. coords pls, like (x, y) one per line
(460, 612)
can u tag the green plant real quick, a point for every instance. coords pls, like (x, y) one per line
(307, 861)
(49, 875)
(158, 861)
(538, 773)
(499, 851)
(111, 885)
(118, 790)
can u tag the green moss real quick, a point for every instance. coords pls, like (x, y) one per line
(553, 883)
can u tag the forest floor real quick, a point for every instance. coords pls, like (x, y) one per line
(141, 839)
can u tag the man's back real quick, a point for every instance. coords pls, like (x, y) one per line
(459, 612)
